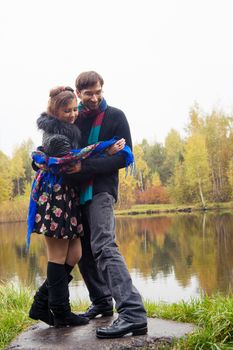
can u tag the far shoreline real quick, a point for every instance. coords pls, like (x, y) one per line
(16, 211)
(156, 209)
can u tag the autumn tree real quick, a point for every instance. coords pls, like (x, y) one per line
(218, 133)
(17, 172)
(197, 166)
(21, 169)
(178, 188)
(142, 170)
(174, 150)
(155, 179)
(5, 178)
(26, 148)
(230, 177)
(126, 189)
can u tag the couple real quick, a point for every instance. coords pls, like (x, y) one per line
(66, 126)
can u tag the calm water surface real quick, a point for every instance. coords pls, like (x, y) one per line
(169, 257)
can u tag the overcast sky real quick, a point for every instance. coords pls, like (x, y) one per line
(157, 58)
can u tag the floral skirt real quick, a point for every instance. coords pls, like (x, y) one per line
(58, 213)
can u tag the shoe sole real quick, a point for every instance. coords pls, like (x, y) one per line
(135, 332)
(37, 317)
(104, 314)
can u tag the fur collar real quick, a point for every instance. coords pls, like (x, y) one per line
(52, 125)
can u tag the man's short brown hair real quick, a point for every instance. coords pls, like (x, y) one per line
(86, 80)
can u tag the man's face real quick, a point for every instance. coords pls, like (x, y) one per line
(92, 96)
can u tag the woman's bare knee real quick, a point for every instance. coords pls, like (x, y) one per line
(57, 249)
(74, 252)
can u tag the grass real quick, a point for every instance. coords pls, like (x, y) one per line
(14, 305)
(212, 315)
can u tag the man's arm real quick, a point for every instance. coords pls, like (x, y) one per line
(102, 165)
(107, 164)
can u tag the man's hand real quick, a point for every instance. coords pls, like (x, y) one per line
(116, 147)
(74, 169)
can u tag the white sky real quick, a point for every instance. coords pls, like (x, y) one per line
(157, 58)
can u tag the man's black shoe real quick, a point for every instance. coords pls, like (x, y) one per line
(99, 310)
(120, 327)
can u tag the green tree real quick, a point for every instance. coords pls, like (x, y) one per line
(155, 156)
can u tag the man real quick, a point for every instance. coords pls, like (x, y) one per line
(102, 266)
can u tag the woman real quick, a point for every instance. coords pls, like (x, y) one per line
(57, 213)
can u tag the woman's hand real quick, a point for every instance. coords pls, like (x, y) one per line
(40, 166)
(74, 169)
(116, 147)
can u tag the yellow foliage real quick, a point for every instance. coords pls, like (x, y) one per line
(127, 185)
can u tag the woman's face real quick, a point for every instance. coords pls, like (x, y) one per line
(69, 112)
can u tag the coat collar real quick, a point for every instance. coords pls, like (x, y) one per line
(52, 125)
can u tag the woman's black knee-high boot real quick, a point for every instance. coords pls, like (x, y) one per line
(58, 297)
(39, 309)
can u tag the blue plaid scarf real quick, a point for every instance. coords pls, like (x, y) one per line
(52, 168)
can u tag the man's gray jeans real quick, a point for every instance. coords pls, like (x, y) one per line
(102, 266)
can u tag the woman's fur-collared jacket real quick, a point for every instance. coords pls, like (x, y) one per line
(58, 137)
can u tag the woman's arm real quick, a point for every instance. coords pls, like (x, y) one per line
(56, 145)
(77, 168)
(108, 164)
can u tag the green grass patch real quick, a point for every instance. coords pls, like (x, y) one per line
(213, 317)
(15, 303)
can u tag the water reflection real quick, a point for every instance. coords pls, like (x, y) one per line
(170, 257)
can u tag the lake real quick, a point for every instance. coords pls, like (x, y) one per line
(170, 257)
